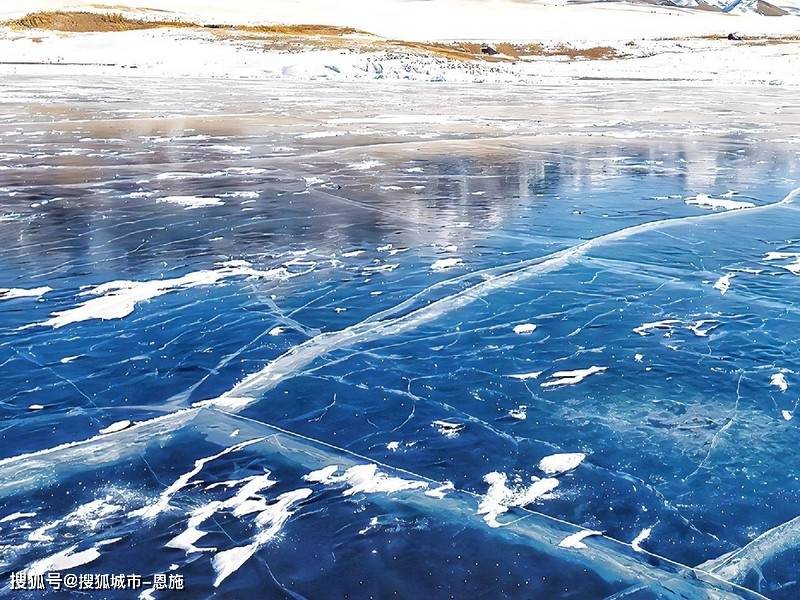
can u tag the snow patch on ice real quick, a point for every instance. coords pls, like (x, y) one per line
(364, 479)
(446, 263)
(561, 463)
(575, 541)
(12, 293)
(706, 201)
(524, 328)
(636, 544)
(562, 378)
(118, 299)
(500, 497)
(114, 427)
(192, 202)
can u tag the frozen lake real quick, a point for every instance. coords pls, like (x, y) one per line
(448, 284)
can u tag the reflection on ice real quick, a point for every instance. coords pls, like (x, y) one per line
(455, 295)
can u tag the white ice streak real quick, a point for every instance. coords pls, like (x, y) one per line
(365, 165)
(446, 263)
(500, 497)
(792, 267)
(706, 201)
(12, 293)
(17, 516)
(87, 516)
(153, 509)
(723, 284)
(192, 202)
(395, 321)
(270, 521)
(114, 427)
(364, 479)
(118, 299)
(575, 541)
(67, 559)
(562, 378)
(636, 544)
(520, 413)
(561, 463)
(526, 376)
(186, 539)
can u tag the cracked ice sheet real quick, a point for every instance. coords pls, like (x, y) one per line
(296, 500)
(645, 426)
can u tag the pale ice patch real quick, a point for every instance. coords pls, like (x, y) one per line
(636, 544)
(575, 541)
(12, 293)
(500, 497)
(114, 427)
(118, 299)
(638, 357)
(561, 463)
(723, 284)
(447, 429)
(393, 446)
(275, 331)
(446, 263)
(192, 202)
(706, 201)
(787, 415)
(36, 407)
(68, 359)
(778, 380)
(562, 378)
(524, 328)
(365, 479)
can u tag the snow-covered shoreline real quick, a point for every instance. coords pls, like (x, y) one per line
(197, 53)
(555, 42)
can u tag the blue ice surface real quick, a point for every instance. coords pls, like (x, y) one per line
(683, 433)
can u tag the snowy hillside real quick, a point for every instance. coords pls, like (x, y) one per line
(508, 20)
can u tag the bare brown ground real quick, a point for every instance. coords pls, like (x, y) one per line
(86, 22)
(299, 37)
